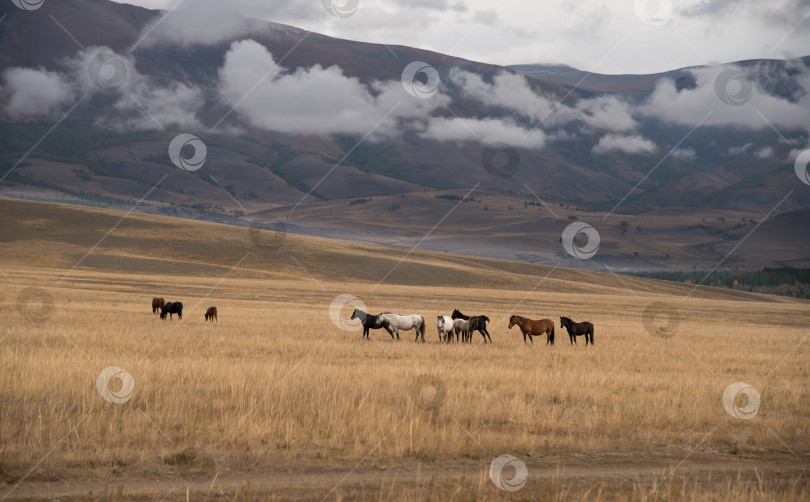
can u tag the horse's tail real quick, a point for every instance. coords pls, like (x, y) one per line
(422, 327)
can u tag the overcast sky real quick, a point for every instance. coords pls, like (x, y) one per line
(619, 36)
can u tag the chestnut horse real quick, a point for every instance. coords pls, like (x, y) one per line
(531, 327)
(211, 314)
(576, 329)
(157, 304)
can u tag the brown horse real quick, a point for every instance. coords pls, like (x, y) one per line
(479, 323)
(211, 314)
(531, 327)
(157, 304)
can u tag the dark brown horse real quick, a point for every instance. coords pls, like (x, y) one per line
(157, 304)
(576, 329)
(172, 308)
(480, 325)
(534, 328)
(211, 314)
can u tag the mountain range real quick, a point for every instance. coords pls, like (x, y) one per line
(296, 124)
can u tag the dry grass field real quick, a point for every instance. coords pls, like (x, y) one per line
(278, 400)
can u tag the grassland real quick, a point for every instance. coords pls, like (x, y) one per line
(277, 401)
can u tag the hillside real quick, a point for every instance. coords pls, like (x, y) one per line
(601, 144)
(59, 237)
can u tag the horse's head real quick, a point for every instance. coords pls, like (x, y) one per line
(564, 321)
(359, 314)
(458, 315)
(163, 314)
(512, 321)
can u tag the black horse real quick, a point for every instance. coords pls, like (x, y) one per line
(576, 329)
(172, 308)
(371, 322)
(479, 324)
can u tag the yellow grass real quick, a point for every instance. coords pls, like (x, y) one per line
(275, 392)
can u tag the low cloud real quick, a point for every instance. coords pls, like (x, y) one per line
(626, 144)
(36, 92)
(739, 150)
(483, 131)
(705, 102)
(684, 154)
(138, 102)
(316, 100)
(764, 153)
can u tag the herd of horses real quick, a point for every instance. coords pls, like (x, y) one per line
(462, 326)
(456, 324)
(170, 308)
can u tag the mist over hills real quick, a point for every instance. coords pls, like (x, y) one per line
(296, 124)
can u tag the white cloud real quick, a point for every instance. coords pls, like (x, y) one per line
(627, 144)
(314, 100)
(36, 92)
(704, 102)
(137, 101)
(608, 113)
(684, 154)
(483, 131)
(764, 153)
(739, 150)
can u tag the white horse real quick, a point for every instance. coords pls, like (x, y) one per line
(462, 326)
(444, 326)
(405, 322)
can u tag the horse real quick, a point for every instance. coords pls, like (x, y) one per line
(576, 329)
(172, 308)
(406, 322)
(462, 326)
(211, 314)
(371, 322)
(479, 323)
(444, 326)
(157, 304)
(480, 326)
(534, 328)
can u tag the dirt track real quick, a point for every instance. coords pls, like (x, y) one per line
(351, 481)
